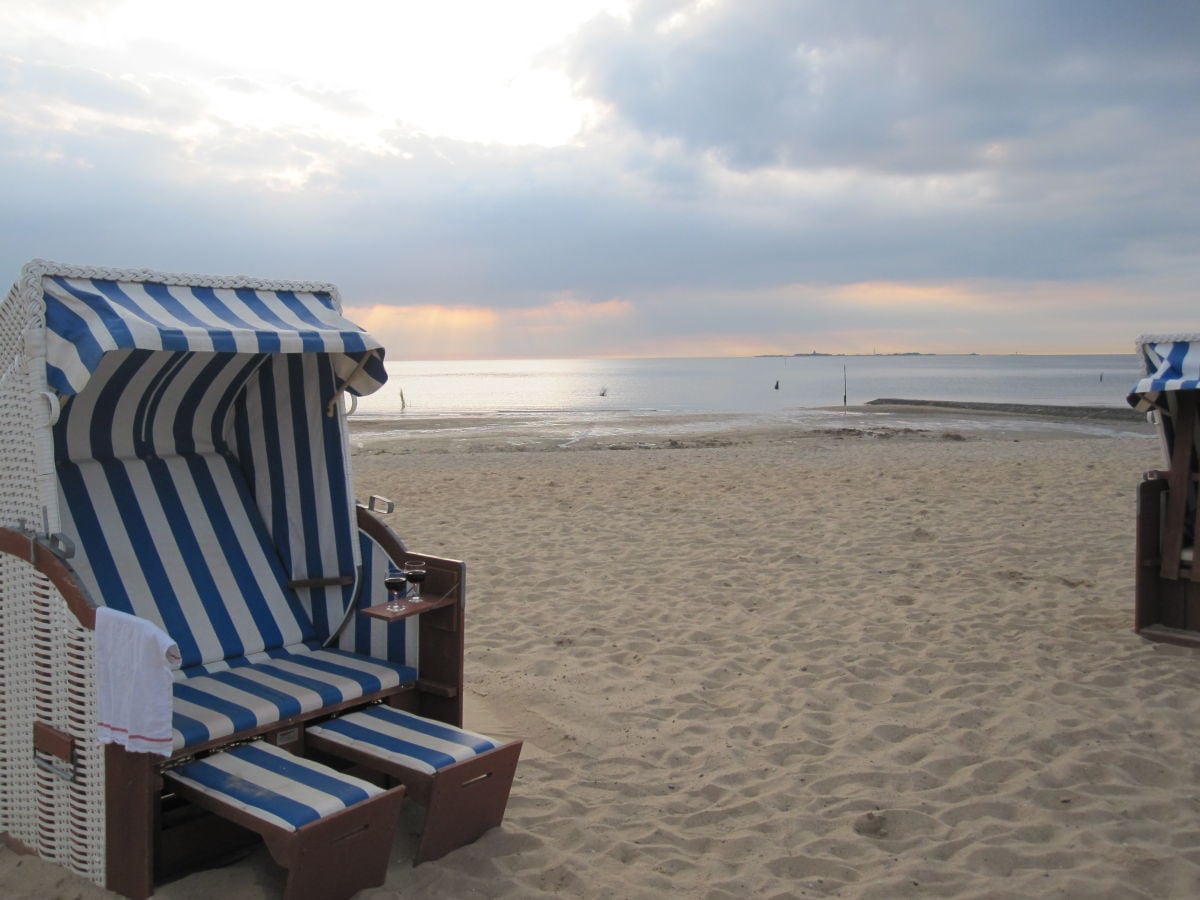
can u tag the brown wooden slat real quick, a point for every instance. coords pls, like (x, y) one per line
(48, 739)
(1178, 479)
(1147, 584)
(336, 581)
(1167, 635)
(1192, 570)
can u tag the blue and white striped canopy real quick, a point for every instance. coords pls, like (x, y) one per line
(1171, 363)
(173, 378)
(87, 317)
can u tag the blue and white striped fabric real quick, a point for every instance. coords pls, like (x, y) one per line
(200, 471)
(273, 785)
(404, 739)
(395, 641)
(273, 686)
(177, 540)
(143, 441)
(296, 462)
(89, 317)
(142, 404)
(1171, 363)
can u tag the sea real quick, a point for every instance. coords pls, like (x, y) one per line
(586, 393)
(744, 385)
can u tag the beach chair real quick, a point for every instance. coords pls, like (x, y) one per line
(180, 546)
(1167, 593)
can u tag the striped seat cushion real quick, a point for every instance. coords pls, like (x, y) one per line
(287, 683)
(404, 739)
(273, 785)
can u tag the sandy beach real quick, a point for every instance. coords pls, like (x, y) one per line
(859, 660)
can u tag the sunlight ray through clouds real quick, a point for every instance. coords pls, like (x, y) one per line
(354, 69)
(432, 331)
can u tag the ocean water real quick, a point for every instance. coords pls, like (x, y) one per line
(595, 387)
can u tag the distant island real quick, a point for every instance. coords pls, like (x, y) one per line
(815, 353)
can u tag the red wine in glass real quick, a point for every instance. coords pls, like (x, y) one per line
(414, 572)
(395, 589)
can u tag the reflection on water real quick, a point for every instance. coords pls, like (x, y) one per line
(743, 385)
(567, 430)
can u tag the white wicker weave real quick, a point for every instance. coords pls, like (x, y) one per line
(46, 671)
(18, 501)
(34, 271)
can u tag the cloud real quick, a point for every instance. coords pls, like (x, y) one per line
(342, 101)
(906, 87)
(758, 175)
(563, 326)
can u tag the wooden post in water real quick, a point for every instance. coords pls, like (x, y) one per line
(845, 384)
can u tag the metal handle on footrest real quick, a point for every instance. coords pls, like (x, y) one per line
(478, 778)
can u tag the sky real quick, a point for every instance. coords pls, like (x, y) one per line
(545, 178)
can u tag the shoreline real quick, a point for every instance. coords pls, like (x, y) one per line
(632, 430)
(1101, 413)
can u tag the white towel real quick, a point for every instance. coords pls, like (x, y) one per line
(134, 658)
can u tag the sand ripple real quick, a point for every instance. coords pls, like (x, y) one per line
(831, 666)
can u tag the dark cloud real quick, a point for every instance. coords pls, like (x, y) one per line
(903, 87)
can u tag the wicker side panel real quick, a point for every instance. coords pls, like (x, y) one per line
(47, 676)
(70, 814)
(18, 803)
(19, 487)
(46, 671)
(18, 500)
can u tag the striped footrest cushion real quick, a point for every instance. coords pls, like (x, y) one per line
(272, 785)
(404, 739)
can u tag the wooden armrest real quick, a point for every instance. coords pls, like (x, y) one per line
(440, 689)
(336, 581)
(42, 557)
(443, 575)
(437, 688)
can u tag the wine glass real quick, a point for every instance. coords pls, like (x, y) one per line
(395, 588)
(414, 571)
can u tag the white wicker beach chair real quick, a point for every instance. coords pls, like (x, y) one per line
(175, 449)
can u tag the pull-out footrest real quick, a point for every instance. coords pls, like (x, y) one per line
(332, 832)
(460, 777)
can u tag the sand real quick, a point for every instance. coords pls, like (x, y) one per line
(766, 661)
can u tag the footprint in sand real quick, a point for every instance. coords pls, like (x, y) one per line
(871, 825)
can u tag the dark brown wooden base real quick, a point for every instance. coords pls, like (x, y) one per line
(461, 801)
(1166, 608)
(331, 859)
